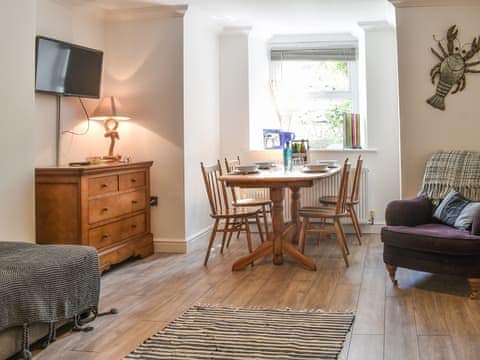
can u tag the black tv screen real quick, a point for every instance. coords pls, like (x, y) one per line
(67, 69)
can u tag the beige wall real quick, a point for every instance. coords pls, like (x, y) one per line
(144, 67)
(423, 128)
(17, 128)
(234, 93)
(201, 121)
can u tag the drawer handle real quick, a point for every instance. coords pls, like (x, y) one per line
(104, 210)
(134, 226)
(105, 236)
(103, 186)
(134, 202)
(133, 180)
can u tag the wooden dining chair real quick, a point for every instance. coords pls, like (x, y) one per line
(234, 219)
(352, 200)
(265, 204)
(334, 213)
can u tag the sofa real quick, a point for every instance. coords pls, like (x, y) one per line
(414, 240)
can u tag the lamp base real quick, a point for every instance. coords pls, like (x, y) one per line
(112, 158)
(97, 160)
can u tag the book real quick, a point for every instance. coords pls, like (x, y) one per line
(352, 131)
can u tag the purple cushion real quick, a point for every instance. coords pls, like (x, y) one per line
(438, 238)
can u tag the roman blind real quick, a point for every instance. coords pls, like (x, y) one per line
(320, 51)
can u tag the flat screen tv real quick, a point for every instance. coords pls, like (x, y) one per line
(67, 69)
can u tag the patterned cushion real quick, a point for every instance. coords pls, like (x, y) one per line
(465, 219)
(450, 208)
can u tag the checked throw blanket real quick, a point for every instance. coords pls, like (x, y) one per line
(452, 170)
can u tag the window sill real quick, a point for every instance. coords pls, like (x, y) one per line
(365, 150)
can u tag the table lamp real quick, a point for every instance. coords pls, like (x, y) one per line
(110, 112)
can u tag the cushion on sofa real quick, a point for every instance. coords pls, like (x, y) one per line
(465, 219)
(476, 223)
(455, 210)
(438, 238)
(450, 208)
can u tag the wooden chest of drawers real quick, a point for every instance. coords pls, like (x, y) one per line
(105, 206)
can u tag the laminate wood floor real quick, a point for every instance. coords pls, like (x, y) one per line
(427, 317)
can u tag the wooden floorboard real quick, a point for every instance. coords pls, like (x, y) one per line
(428, 317)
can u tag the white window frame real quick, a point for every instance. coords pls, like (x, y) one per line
(353, 94)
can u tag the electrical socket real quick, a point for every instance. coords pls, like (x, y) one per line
(154, 201)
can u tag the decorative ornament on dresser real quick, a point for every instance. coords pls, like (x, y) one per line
(452, 67)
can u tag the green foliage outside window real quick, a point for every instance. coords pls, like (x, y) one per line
(334, 114)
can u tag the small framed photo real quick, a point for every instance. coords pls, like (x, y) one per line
(274, 139)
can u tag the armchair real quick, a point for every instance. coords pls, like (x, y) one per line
(413, 239)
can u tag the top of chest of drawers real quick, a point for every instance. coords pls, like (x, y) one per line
(91, 170)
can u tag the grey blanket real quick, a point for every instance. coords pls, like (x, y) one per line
(46, 283)
(452, 170)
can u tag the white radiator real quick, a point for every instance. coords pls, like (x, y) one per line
(324, 187)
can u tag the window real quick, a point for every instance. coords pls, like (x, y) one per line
(312, 89)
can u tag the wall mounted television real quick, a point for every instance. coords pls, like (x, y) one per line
(67, 69)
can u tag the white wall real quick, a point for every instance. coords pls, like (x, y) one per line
(382, 117)
(234, 93)
(82, 25)
(144, 67)
(379, 78)
(17, 128)
(201, 114)
(423, 128)
(262, 108)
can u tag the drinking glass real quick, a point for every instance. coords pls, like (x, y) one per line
(298, 163)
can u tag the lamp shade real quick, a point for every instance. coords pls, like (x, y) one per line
(109, 108)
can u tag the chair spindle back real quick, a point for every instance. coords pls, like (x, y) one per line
(354, 197)
(343, 189)
(216, 191)
(230, 166)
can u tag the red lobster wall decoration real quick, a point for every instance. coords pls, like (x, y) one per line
(452, 67)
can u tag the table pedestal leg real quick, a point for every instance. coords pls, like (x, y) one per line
(281, 236)
(294, 207)
(276, 195)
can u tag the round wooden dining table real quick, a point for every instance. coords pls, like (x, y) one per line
(277, 180)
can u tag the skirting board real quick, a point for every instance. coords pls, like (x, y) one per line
(179, 246)
(366, 228)
(170, 246)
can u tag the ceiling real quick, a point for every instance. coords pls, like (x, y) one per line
(276, 16)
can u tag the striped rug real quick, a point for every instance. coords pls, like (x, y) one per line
(217, 332)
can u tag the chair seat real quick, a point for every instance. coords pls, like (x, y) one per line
(252, 202)
(332, 200)
(237, 212)
(319, 212)
(436, 238)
